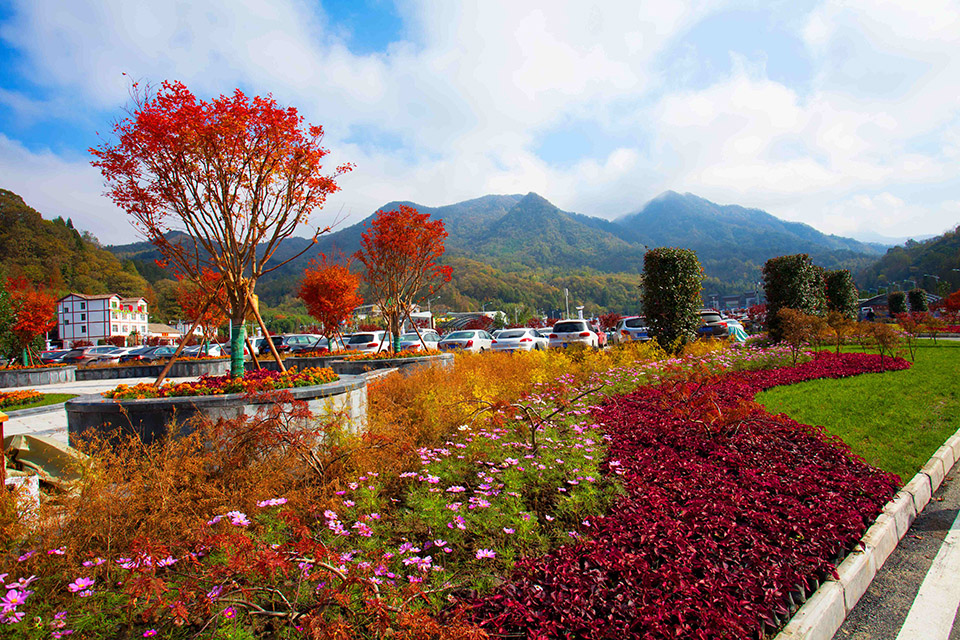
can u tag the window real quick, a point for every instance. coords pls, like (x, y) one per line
(83, 317)
(124, 328)
(66, 321)
(114, 329)
(66, 308)
(83, 329)
(83, 305)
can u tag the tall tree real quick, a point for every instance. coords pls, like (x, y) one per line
(205, 303)
(792, 282)
(672, 282)
(330, 292)
(34, 311)
(400, 249)
(238, 175)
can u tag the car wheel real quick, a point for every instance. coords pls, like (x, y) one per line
(482, 349)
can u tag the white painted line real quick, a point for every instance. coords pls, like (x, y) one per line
(935, 607)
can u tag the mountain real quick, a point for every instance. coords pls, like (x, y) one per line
(502, 235)
(54, 254)
(920, 262)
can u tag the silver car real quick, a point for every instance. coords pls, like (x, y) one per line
(569, 332)
(466, 340)
(523, 339)
(412, 342)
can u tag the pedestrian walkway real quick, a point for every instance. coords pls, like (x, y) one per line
(916, 594)
(51, 421)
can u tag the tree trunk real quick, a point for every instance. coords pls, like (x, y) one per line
(237, 340)
(395, 331)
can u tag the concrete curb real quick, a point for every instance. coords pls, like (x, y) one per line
(824, 612)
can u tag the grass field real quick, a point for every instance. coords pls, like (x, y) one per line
(48, 398)
(895, 420)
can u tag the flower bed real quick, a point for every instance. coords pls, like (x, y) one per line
(251, 382)
(180, 369)
(391, 355)
(12, 398)
(15, 366)
(731, 516)
(33, 376)
(404, 361)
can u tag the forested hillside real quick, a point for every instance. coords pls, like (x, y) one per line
(921, 263)
(55, 254)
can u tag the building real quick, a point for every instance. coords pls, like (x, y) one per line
(164, 333)
(97, 318)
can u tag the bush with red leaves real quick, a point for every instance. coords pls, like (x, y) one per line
(731, 517)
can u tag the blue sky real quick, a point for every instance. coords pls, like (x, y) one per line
(844, 114)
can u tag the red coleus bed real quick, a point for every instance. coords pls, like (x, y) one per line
(730, 517)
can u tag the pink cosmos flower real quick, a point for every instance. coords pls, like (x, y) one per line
(273, 502)
(485, 553)
(80, 584)
(149, 633)
(229, 612)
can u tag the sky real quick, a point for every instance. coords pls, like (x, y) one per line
(844, 114)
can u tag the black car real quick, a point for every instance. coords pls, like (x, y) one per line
(139, 354)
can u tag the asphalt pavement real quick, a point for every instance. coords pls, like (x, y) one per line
(916, 594)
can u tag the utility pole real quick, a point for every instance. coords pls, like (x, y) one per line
(566, 298)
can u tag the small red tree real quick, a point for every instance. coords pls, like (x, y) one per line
(330, 292)
(204, 303)
(482, 323)
(237, 175)
(34, 312)
(400, 250)
(608, 321)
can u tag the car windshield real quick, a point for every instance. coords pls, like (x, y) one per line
(459, 335)
(569, 327)
(710, 317)
(363, 337)
(514, 333)
(635, 323)
(413, 336)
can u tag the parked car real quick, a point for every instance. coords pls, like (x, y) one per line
(320, 345)
(412, 342)
(160, 353)
(53, 356)
(631, 329)
(213, 350)
(138, 354)
(568, 332)
(466, 340)
(545, 333)
(287, 343)
(712, 324)
(90, 355)
(369, 342)
(523, 339)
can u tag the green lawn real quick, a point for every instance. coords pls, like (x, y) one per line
(895, 420)
(48, 398)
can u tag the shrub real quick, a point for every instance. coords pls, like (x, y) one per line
(841, 293)
(841, 325)
(794, 282)
(917, 298)
(672, 281)
(896, 303)
(797, 329)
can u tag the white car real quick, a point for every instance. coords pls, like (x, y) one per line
(630, 329)
(523, 339)
(369, 341)
(411, 341)
(466, 340)
(569, 332)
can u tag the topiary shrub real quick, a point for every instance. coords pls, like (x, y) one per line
(792, 282)
(672, 281)
(897, 302)
(841, 293)
(917, 298)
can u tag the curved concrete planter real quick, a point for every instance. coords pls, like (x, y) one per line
(36, 377)
(187, 369)
(403, 365)
(149, 418)
(268, 363)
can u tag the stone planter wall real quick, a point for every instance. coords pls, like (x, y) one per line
(187, 369)
(403, 365)
(267, 362)
(37, 377)
(149, 418)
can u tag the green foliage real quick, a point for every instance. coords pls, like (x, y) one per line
(897, 302)
(52, 253)
(917, 298)
(8, 342)
(672, 281)
(792, 282)
(841, 293)
(937, 256)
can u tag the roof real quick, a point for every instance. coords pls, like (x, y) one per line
(137, 299)
(87, 296)
(156, 327)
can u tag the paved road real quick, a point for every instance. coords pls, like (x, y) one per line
(916, 593)
(52, 422)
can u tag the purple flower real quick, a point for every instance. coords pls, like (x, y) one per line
(26, 556)
(13, 599)
(149, 633)
(456, 489)
(238, 518)
(229, 612)
(509, 530)
(485, 553)
(273, 502)
(57, 552)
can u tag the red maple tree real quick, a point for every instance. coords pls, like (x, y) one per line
(194, 297)
(235, 175)
(330, 292)
(400, 249)
(35, 311)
